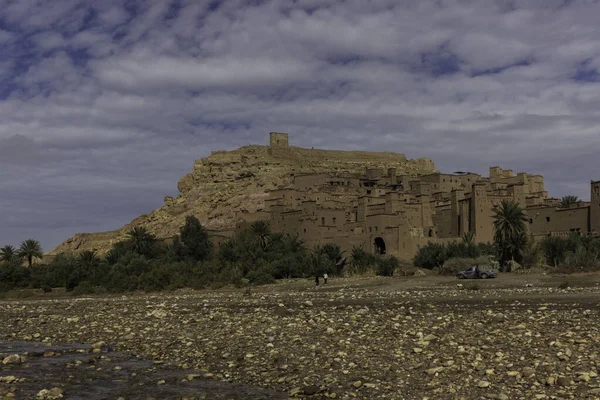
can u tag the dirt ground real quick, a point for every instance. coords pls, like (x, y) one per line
(519, 336)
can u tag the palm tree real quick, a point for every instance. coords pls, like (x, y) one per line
(140, 239)
(263, 231)
(88, 260)
(468, 237)
(30, 249)
(8, 253)
(509, 230)
(567, 201)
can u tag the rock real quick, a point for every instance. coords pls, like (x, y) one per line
(562, 381)
(50, 394)
(12, 359)
(310, 390)
(483, 384)
(357, 384)
(8, 379)
(435, 370)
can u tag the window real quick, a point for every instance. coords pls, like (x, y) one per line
(370, 229)
(322, 220)
(547, 219)
(304, 230)
(333, 219)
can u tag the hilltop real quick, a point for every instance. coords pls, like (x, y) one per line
(228, 183)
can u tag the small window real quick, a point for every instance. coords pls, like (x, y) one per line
(333, 219)
(322, 220)
(370, 229)
(547, 219)
(304, 230)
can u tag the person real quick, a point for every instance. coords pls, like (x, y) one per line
(316, 281)
(325, 276)
(476, 270)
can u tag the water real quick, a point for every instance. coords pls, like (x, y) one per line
(110, 375)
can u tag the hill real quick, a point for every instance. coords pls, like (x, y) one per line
(229, 182)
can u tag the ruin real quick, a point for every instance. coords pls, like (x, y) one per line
(386, 212)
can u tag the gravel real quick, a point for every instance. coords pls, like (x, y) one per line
(344, 342)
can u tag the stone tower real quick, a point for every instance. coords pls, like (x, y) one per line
(481, 213)
(278, 143)
(595, 207)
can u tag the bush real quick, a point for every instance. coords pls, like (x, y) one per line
(84, 287)
(387, 265)
(362, 261)
(431, 256)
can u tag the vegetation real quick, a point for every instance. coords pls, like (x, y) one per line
(567, 201)
(435, 255)
(257, 255)
(30, 249)
(510, 234)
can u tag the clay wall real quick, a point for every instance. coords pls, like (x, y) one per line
(442, 220)
(552, 220)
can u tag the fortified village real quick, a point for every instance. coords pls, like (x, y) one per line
(382, 202)
(390, 213)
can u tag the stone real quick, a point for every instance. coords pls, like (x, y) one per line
(12, 359)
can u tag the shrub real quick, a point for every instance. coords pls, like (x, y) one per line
(387, 265)
(362, 260)
(430, 256)
(84, 287)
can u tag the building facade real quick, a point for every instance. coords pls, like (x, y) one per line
(385, 212)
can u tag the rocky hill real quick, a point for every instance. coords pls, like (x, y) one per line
(238, 180)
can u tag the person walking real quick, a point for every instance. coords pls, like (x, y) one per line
(317, 281)
(325, 276)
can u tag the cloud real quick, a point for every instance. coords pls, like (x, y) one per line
(105, 105)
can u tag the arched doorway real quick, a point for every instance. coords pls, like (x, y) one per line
(379, 245)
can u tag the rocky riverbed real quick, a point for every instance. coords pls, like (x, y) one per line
(347, 340)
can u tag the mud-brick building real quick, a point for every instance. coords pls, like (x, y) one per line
(391, 213)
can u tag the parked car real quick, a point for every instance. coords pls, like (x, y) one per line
(473, 272)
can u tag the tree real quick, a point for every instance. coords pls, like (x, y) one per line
(262, 230)
(510, 234)
(194, 237)
(8, 253)
(30, 249)
(468, 237)
(88, 262)
(140, 240)
(567, 201)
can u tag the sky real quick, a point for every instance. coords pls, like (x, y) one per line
(105, 105)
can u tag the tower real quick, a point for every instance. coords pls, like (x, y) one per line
(278, 143)
(595, 207)
(481, 214)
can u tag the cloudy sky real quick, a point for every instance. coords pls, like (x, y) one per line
(104, 105)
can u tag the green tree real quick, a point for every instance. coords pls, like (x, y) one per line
(88, 263)
(468, 238)
(140, 240)
(567, 201)
(8, 253)
(262, 230)
(30, 249)
(194, 237)
(510, 234)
